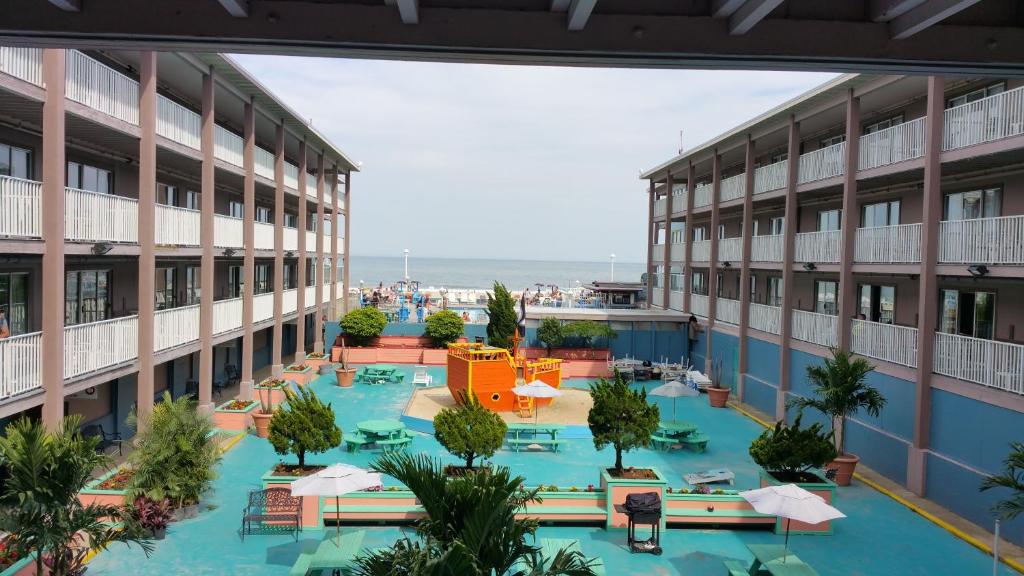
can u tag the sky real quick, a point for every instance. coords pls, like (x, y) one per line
(511, 162)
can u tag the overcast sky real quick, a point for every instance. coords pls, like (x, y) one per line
(487, 161)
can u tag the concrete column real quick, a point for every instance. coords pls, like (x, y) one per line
(667, 261)
(691, 184)
(206, 218)
(248, 239)
(52, 372)
(651, 231)
(276, 365)
(789, 229)
(847, 298)
(332, 310)
(318, 273)
(345, 256)
(147, 240)
(745, 233)
(300, 294)
(716, 190)
(928, 291)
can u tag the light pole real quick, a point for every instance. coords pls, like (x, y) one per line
(613, 267)
(406, 251)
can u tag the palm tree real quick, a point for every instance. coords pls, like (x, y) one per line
(841, 390)
(39, 501)
(470, 528)
(1012, 478)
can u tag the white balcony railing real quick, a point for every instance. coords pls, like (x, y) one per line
(730, 250)
(678, 199)
(227, 232)
(263, 307)
(227, 146)
(311, 185)
(817, 246)
(310, 241)
(993, 118)
(177, 123)
(889, 342)
(676, 252)
(310, 296)
(291, 175)
(733, 187)
(701, 251)
(288, 301)
(327, 293)
(986, 362)
(175, 327)
(699, 305)
(702, 195)
(675, 299)
(978, 241)
(657, 297)
(728, 311)
(823, 163)
(766, 248)
(263, 236)
(21, 360)
(177, 226)
(901, 142)
(658, 252)
(771, 177)
(659, 207)
(888, 244)
(765, 318)
(24, 63)
(227, 315)
(291, 239)
(98, 345)
(814, 328)
(101, 88)
(20, 211)
(94, 217)
(264, 163)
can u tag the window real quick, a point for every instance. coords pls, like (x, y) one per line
(165, 288)
(699, 283)
(776, 225)
(718, 284)
(721, 231)
(262, 279)
(774, 291)
(166, 195)
(753, 287)
(972, 204)
(828, 220)
(880, 214)
(14, 301)
(968, 313)
(883, 124)
(236, 209)
(675, 280)
(678, 232)
(291, 220)
(193, 200)
(659, 272)
(263, 214)
(975, 95)
(91, 178)
(832, 141)
(234, 281)
(311, 223)
(754, 227)
(327, 269)
(780, 157)
(289, 276)
(16, 162)
(700, 233)
(311, 271)
(877, 303)
(193, 285)
(87, 296)
(825, 296)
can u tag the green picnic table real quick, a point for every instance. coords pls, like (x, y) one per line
(672, 433)
(333, 553)
(381, 429)
(772, 559)
(519, 429)
(380, 373)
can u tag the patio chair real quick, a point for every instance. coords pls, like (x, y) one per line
(420, 376)
(107, 439)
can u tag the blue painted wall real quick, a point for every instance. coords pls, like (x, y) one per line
(956, 488)
(763, 360)
(726, 347)
(760, 394)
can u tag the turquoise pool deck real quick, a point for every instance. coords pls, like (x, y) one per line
(879, 537)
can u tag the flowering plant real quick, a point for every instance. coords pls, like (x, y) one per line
(236, 405)
(118, 481)
(296, 367)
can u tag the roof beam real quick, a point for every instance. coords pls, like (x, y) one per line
(68, 5)
(925, 15)
(886, 10)
(409, 10)
(560, 5)
(752, 12)
(725, 8)
(579, 13)
(237, 8)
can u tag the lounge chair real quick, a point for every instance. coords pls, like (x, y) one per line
(420, 376)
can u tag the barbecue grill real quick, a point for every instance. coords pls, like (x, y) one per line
(643, 508)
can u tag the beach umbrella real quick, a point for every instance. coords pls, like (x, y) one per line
(674, 389)
(536, 389)
(791, 502)
(336, 480)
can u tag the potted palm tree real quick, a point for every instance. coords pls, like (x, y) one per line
(718, 394)
(841, 390)
(344, 374)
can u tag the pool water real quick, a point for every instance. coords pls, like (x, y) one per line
(879, 537)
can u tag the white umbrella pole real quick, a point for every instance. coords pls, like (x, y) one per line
(337, 523)
(995, 550)
(785, 549)
(673, 409)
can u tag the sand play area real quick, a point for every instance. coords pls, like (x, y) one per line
(570, 408)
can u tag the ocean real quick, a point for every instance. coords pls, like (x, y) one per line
(480, 273)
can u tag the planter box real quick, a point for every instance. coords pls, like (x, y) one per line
(310, 504)
(618, 488)
(316, 363)
(234, 419)
(726, 508)
(301, 377)
(825, 488)
(259, 393)
(384, 506)
(93, 495)
(568, 506)
(23, 567)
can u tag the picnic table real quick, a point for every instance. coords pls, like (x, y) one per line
(772, 559)
(382, 429)
(380, 373)
(331, 554)
(386, 434)
(517, 430)
(677, 428)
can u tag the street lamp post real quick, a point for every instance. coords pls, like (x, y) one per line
(613, 267)
(406, 251)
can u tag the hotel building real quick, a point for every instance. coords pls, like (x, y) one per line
(166, 223)
(883, 215)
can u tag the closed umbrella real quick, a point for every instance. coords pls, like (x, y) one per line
(536, 389)
(674, 389)
(791, 502)
(336, 480)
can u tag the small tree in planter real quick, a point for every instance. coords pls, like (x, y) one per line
(789, 452)
(344, 374)
(304, 424)
(1012, 479)
(550, 333)
(364, 324)
(501, 313)
(621, 417)
(444, 327)
(470, 430)
(841, 390)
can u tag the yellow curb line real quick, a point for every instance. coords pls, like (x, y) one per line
(1018, 566)
(231, 443)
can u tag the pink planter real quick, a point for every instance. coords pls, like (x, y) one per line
(234, 419)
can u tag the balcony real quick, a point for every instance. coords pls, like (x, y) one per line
(888, 244)
(677, 251)
(94, 217)
(658, 253)
(659, 207)
(702, 195)
(227, 232)
(893, 145)
(227, 146)
(264, 163)
(986, 362)
(765, 318)
(263, 236)
(177, 226)
(728, 311)
(771, 177)
(675, 299)
(679, 199)
(175, 327)
(814, 328)
(311, 185)
(986, 120)
(291, 176)
(657, 297)
(310, 296)
(699, 305)
(101, 88)
(733, 187)
(21, 360)
(227, 315)
(310, 241)
(327, 293)
(730, 250)
(701, 251)
(263, 307)
(291, 239)
(177, 123)
(20, 214)
(92, 347)
(888, 342)
(24, 63)
(766, 248)
(978, 241)
(821, 247)
(822, 164)
(289, 301)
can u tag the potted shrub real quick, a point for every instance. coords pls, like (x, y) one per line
(265, 392)
(469, 431)
(342, 371)
(152, 516)
(550, 333)
(790, 453)
(718, 395)
(622, 417)
(841, 390)
(304, 424)
(443, 328)
(363, 324)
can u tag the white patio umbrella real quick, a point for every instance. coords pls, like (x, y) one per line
(674, 389)
(791, 502)
(536, 389)
(336, 480)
